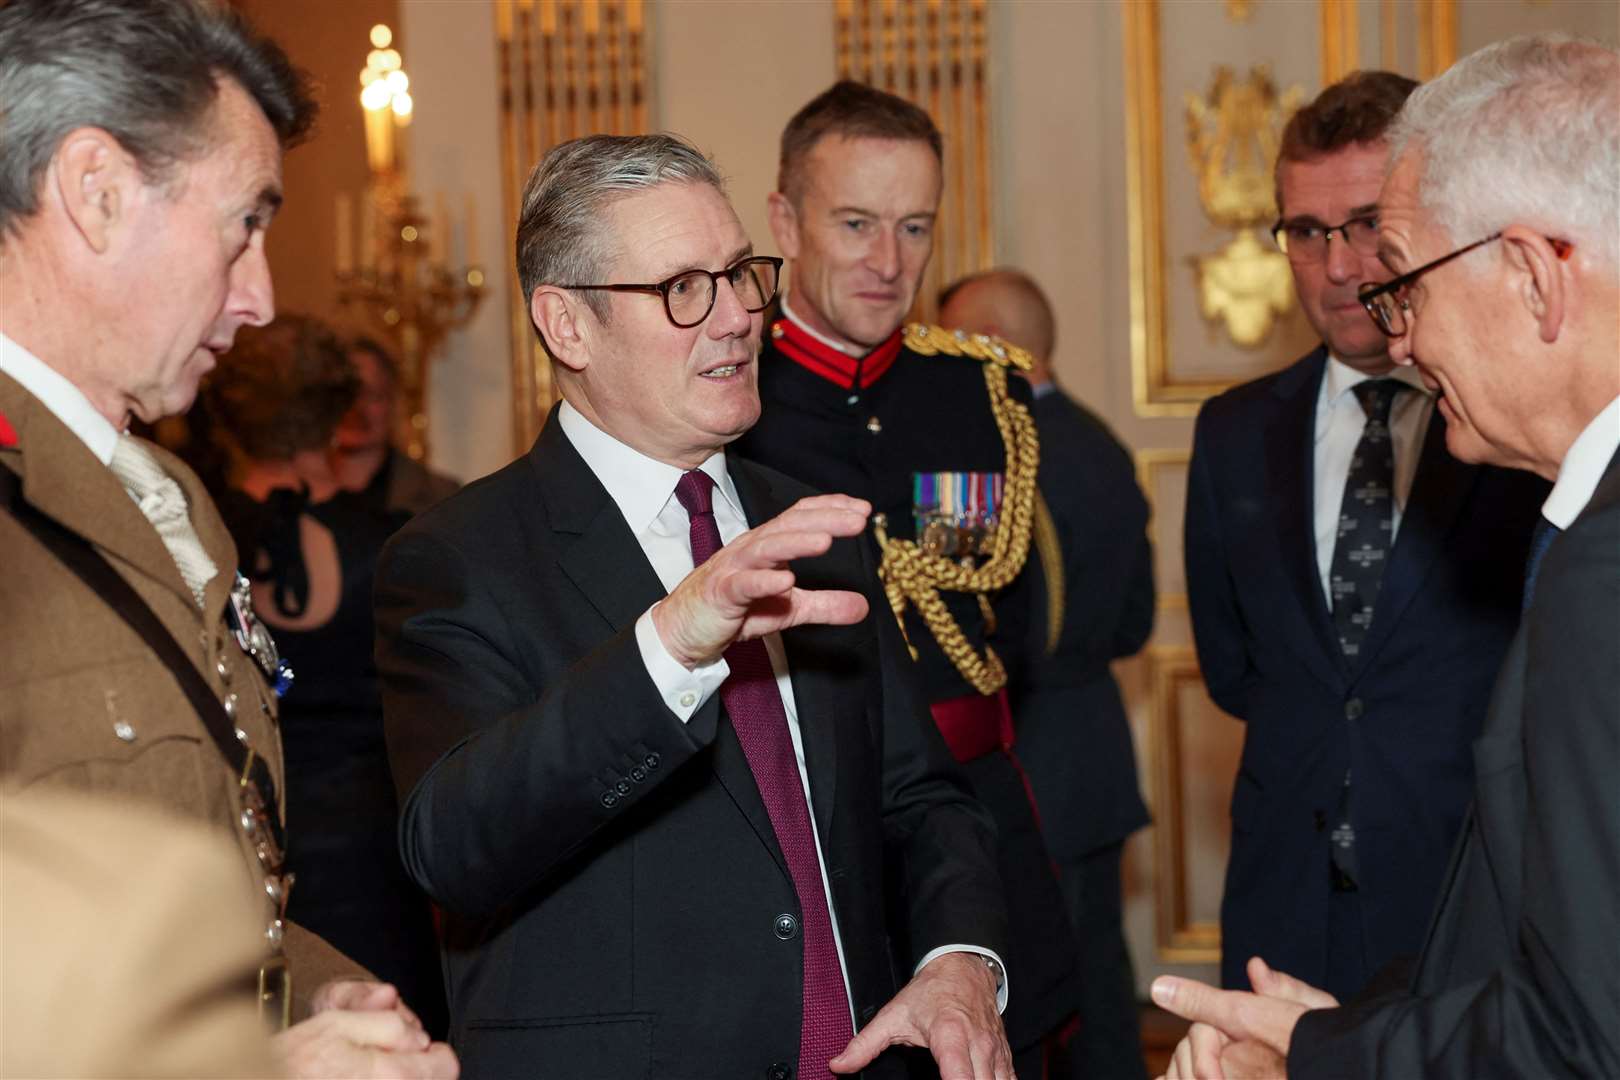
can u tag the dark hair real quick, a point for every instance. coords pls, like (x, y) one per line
(145, 71)
(373, 347)
(282, 388)
(854, 111)
(1357, 109)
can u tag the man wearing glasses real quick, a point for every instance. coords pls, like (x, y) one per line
(1352, 588)
(656, 764)
(1499, 218)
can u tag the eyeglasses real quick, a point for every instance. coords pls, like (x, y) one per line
(1307, 242)
(689, 295)
(1388, 303)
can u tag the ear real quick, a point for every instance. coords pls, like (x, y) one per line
(96, 182)
(564, 324)
(1542, 282)
(784, 222)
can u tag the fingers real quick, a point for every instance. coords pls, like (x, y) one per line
(363, 994)
(867, 1044)
(438, 1062)
(1279, 985)
(1193, 1000)
(848, 503)
(1207, 1043)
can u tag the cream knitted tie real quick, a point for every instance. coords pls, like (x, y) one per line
(164, 505)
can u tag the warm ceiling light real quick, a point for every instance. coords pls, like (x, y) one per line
(381, 36)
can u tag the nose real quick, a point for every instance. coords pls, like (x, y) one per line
(883, 257)
(252, 297)
(1342, 264)
(729, 318)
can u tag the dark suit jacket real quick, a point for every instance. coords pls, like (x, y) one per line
(1402, 716)
(1520, 975)
(1073, 737)
(609, 876)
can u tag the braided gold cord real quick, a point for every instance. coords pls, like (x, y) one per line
(911, 576)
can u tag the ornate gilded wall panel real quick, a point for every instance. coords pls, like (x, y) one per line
(934, 53)
(1162, 476)
(566, 68)
(1194, 750)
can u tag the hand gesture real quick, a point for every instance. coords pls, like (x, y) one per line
(949, 1007)
(746, 590)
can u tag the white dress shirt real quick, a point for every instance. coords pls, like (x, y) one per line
(1339, 422)
(644, 491)
(1582, 467)
(61, 397)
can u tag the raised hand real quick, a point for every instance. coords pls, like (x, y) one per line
(746, 590)
(1236, 1016)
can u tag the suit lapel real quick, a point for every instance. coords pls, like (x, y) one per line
(1290, 463)
(605, 562)
(1439, 490)
(63, 480)
(817, 731)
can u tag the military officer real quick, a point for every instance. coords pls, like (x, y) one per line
(143, 163)
(927, 426)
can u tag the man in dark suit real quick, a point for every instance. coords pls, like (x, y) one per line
(654, 763)
(1097, 606)
(1508, 302)
(1352, 587)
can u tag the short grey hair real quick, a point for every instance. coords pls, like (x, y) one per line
(561, 237)
(1524, 131)
(145, 71)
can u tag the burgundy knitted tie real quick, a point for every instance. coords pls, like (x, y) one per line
(754, 705)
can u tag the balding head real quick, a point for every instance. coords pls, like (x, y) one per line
(1008, 304)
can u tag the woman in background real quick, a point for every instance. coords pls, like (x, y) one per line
(311, 550)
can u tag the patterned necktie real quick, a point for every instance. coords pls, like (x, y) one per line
(1540, 540)
(1366, 518)
(164, 505)
(754, 705)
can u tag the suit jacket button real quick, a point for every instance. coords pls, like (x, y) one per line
(622, 787)
(651, 760)
(786, 926)
(779, 1071)
(609, 798)
(638, 774)
(1353, 709)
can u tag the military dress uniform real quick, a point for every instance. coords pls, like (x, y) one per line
(87, 704)
(912, 427)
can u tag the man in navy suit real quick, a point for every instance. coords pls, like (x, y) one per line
(1353, 588)
(656, 753)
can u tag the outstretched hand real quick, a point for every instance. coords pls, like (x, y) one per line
(747, 591)
(1236, 1033)
(949, 1007)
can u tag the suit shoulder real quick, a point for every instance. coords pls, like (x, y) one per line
(467, 513)
(1240, 403)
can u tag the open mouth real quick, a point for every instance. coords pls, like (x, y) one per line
(723, 371)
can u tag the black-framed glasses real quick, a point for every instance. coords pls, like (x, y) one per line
(1388, 304)
(689, 295)
(1307, 241)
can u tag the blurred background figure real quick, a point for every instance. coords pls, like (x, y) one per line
(366, 459)
(311, 548)
(139, 920)
(1073, 736)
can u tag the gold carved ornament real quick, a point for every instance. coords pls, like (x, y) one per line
(1232, 139)
(913, 577)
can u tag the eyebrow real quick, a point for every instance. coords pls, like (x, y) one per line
(270, 198)
(840, 211)
(736, 256)
(1390, 255)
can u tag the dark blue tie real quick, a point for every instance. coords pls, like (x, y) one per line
(1540, 540)
(1366, 518)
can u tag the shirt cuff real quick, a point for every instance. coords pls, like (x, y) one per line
(684, 691)
(1000, 969)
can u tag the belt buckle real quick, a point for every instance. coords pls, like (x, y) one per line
(275, 994)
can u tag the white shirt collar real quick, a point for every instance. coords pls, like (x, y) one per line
(1583, 466)
(60, 396)
(1340, 377)
(639, 485)
(847, 350)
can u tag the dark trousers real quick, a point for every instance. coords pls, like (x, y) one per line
(1108, 1040)
(1346, 947)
